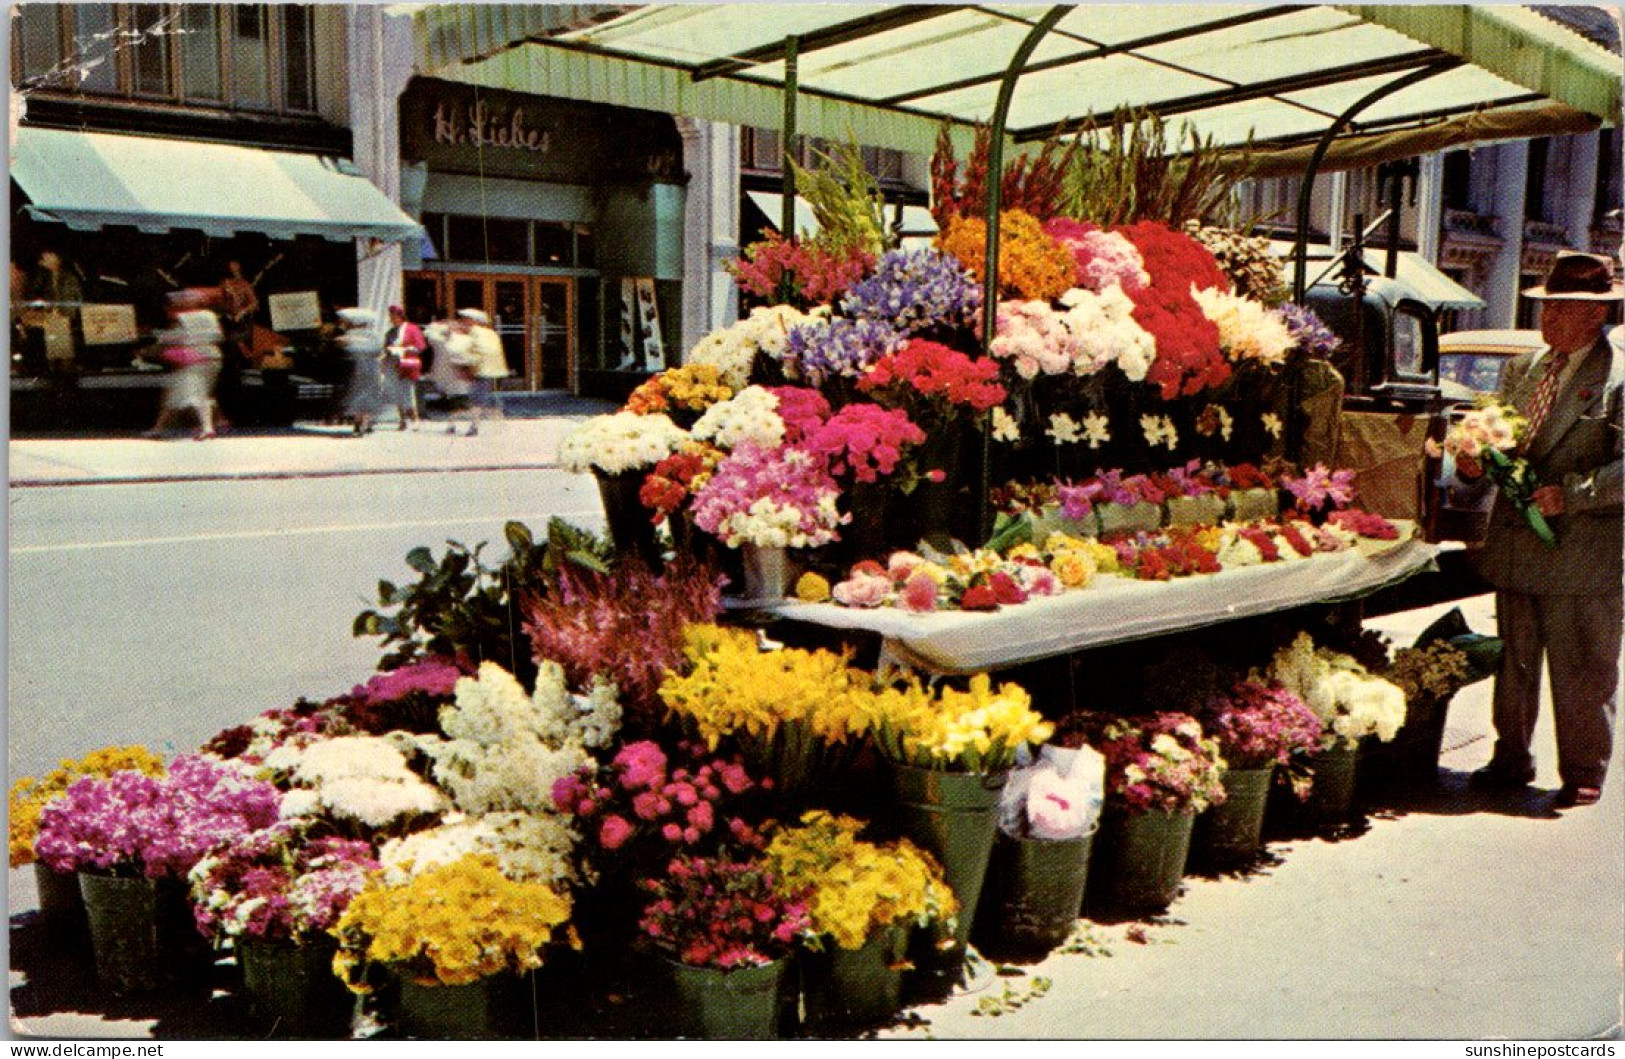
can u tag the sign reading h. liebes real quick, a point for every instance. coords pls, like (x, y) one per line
(478, 125)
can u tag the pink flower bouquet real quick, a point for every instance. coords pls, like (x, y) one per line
(278, 883)
(714, 912)
(781, 497)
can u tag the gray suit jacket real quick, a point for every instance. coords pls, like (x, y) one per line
(1578, 447)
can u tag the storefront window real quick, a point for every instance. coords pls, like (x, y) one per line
(200, 51)
(487, 239)
(39, 43)
(95, 31)
(553, 244)
(149, 32)
(298, 65)
(249, 83)
(586, 253)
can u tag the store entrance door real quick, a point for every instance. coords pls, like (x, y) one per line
(535, 316)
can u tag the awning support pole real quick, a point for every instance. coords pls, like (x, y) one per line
(995, 185)
(787, 210)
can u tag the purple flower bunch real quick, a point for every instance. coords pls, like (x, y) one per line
(838, 348)
(1309, 333)
(278, 883)
(130, 824)
(1320, 486)
(865, 440)
(1193, 480)
(781, 497)
(404, 699)
(714, 912)
(1258, 725)
(911, 290)
(643, 798)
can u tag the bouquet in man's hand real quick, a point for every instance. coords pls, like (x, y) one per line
(1490, 435)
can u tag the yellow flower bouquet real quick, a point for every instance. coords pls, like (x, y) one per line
(450, 925)
(854, 889)
(948, 730)
(31, 794)
(796, 716)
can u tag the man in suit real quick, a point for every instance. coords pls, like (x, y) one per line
(1562, 604)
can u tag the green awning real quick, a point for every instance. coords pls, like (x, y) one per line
(889, 76)
(88, 180)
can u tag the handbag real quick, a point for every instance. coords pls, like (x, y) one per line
(408, 367)
(181, 356)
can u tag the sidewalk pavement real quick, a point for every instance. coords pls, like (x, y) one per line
(303, 450)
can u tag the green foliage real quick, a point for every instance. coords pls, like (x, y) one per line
(460, 607)
(845, 198)
(1137, 175)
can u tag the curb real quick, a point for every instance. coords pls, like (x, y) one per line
(252, 476)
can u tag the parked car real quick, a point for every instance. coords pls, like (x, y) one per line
(1473, 362)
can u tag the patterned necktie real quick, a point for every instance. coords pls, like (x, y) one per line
(1545, 395)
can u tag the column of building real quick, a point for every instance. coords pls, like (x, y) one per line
(710, 227)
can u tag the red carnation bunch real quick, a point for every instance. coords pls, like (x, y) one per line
(671, 481)
(932, 369)
(1189, 359)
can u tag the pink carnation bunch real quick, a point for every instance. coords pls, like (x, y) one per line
(780, 497)
(865, 440)
(715, 912)
(802, 409)
(1100, 258)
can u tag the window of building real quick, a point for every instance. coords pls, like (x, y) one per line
(1458, 180)
(554, 244)
(761, 150)
(1534, 187)
(249, 56)
(1610, 193)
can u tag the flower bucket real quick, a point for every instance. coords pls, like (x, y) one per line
(484, 1010)
(953, 816)
(846, 989)
(626, 517)
(1033, 893)
(1230, 833)
(292, 986)
(940, 515)
(767, 574)
(747, 1004)
(1248, 505)
(1411, 758)
(142, 933)
(1331, 798)
(61, 906)
(1196, 510)
(1138, 860)
(1129, 518)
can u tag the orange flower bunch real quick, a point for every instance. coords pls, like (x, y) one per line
(1032, 265)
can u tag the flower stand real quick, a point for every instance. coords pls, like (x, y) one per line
(1230, 833)
(625, 515)
(767, 574)
(1331, 799)
(954, 817)
(292, 986)
(483, 1010)
(142, 933)
(745, 1004)
(1139, 860)
(61, 906)
(847, 989)
(1033, 893)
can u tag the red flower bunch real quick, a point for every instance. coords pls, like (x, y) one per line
(1258, 725)
(643, 797)
(1183, 555)
(1296, 539)
(1013, 498)
(1188, 359)
(1163, 762)
(671, 481)
(1263, 540)
(1365, 523)
(713, 912)
(627, 624)
(1248, 476)
(802, 409)
(866, 439)
(932, 369)
(797, 273)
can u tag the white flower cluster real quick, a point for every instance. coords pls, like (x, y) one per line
(352, 777)
(1104, 331)
(1351, 701)
(769, 524)
(732, 350)
(528, 847)
(621, 442)
(1248, 329)
(752, 414)
(504, 749)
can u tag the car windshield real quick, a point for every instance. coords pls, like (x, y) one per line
(1480, 372)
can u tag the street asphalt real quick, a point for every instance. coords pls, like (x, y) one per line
(1441, 913)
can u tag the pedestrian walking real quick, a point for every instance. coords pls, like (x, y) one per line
(189, 349)
(364, 347)
(1561, 605)
(452, 369)
(490, 366)
(403, 365)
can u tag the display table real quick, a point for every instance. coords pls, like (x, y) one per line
(1116, 609)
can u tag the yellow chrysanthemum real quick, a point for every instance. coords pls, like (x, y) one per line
(812, 588)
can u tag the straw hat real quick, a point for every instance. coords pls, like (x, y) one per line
(476, 316)
(1579, 277)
